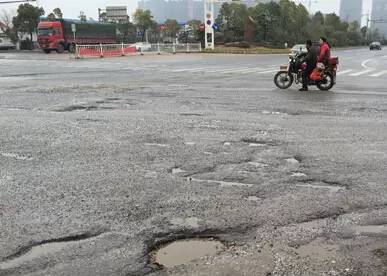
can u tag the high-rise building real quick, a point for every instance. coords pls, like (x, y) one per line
(351, 10)
(379, 13)
(182, 10)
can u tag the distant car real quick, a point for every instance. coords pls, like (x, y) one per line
(6, 43)
(143, 46)
(375, 46)
(298, 49)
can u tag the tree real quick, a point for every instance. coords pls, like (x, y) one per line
(231, 19)
(127, 32)
(51, 16)
(7, 27)
(171, 28)
(103, 17)
(58, 13)
(27, 19)
(82, 16)
(143, 20)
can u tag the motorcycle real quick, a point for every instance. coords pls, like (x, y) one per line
(324, 78)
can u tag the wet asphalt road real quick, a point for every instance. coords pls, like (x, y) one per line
(103, 160)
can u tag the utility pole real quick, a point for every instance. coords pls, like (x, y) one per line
(370, 23)
(209, 34)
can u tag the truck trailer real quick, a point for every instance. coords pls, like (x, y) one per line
(63, 34)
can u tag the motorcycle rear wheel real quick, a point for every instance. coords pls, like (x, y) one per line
(327, 83)
(283, 80)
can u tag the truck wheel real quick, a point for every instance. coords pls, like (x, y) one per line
(47, 51)
(60, 49)
(72, 48)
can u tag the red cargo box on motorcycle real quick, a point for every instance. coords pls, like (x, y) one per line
(333, 61)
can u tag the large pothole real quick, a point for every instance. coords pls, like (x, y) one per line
(184, 251)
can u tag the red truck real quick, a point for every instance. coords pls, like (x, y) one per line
(58, 35)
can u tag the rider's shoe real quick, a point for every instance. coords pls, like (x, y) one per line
(303, 89)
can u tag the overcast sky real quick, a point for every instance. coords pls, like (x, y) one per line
(71, 8)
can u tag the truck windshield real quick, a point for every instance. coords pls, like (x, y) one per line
(45, 32)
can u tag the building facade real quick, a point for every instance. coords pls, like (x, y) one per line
(351, 10)
(117, 14)
(379, 13)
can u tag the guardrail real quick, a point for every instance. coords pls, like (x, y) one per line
(115, 50)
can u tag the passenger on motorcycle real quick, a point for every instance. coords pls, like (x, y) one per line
(325, 51)
(311, 61)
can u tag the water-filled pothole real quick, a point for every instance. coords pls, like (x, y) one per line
(184, 251)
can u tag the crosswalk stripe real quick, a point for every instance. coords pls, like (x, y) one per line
(344, 72)
(379, 74)
(361, 73)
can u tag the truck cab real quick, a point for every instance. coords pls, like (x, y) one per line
(51, 37)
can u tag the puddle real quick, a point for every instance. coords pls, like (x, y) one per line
(190, 143)
(178, 85)
(321, 252)
(208, 153)
(227, 144)
(371, 229)
(256, 145)
(177, 171)
(150, 174)
(266, 112)
(157, 145)
(16, 156)
(253, 198)
(223, 184)
(298, 174)
(258, 164)
(35, 252)
(332, 189)
(292, 161)
(185, 251)
(190, 222)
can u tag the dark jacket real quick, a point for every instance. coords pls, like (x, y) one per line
(311, 57)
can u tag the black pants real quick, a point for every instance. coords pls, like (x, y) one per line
(306, 75)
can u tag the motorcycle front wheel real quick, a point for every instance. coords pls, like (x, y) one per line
(283, 80)
(326, 83)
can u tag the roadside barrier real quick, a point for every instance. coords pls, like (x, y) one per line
(116, 50)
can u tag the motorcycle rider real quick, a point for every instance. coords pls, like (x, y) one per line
(311, 62)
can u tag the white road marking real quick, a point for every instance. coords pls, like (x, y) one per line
(344, 72)
(379, 74)
(364, 64)
(362, 73)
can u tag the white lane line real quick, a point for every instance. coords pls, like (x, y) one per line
(344, 72)
(364, 64)
(379, 74)
(362, 73)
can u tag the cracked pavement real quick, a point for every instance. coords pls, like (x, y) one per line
(102, 161)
